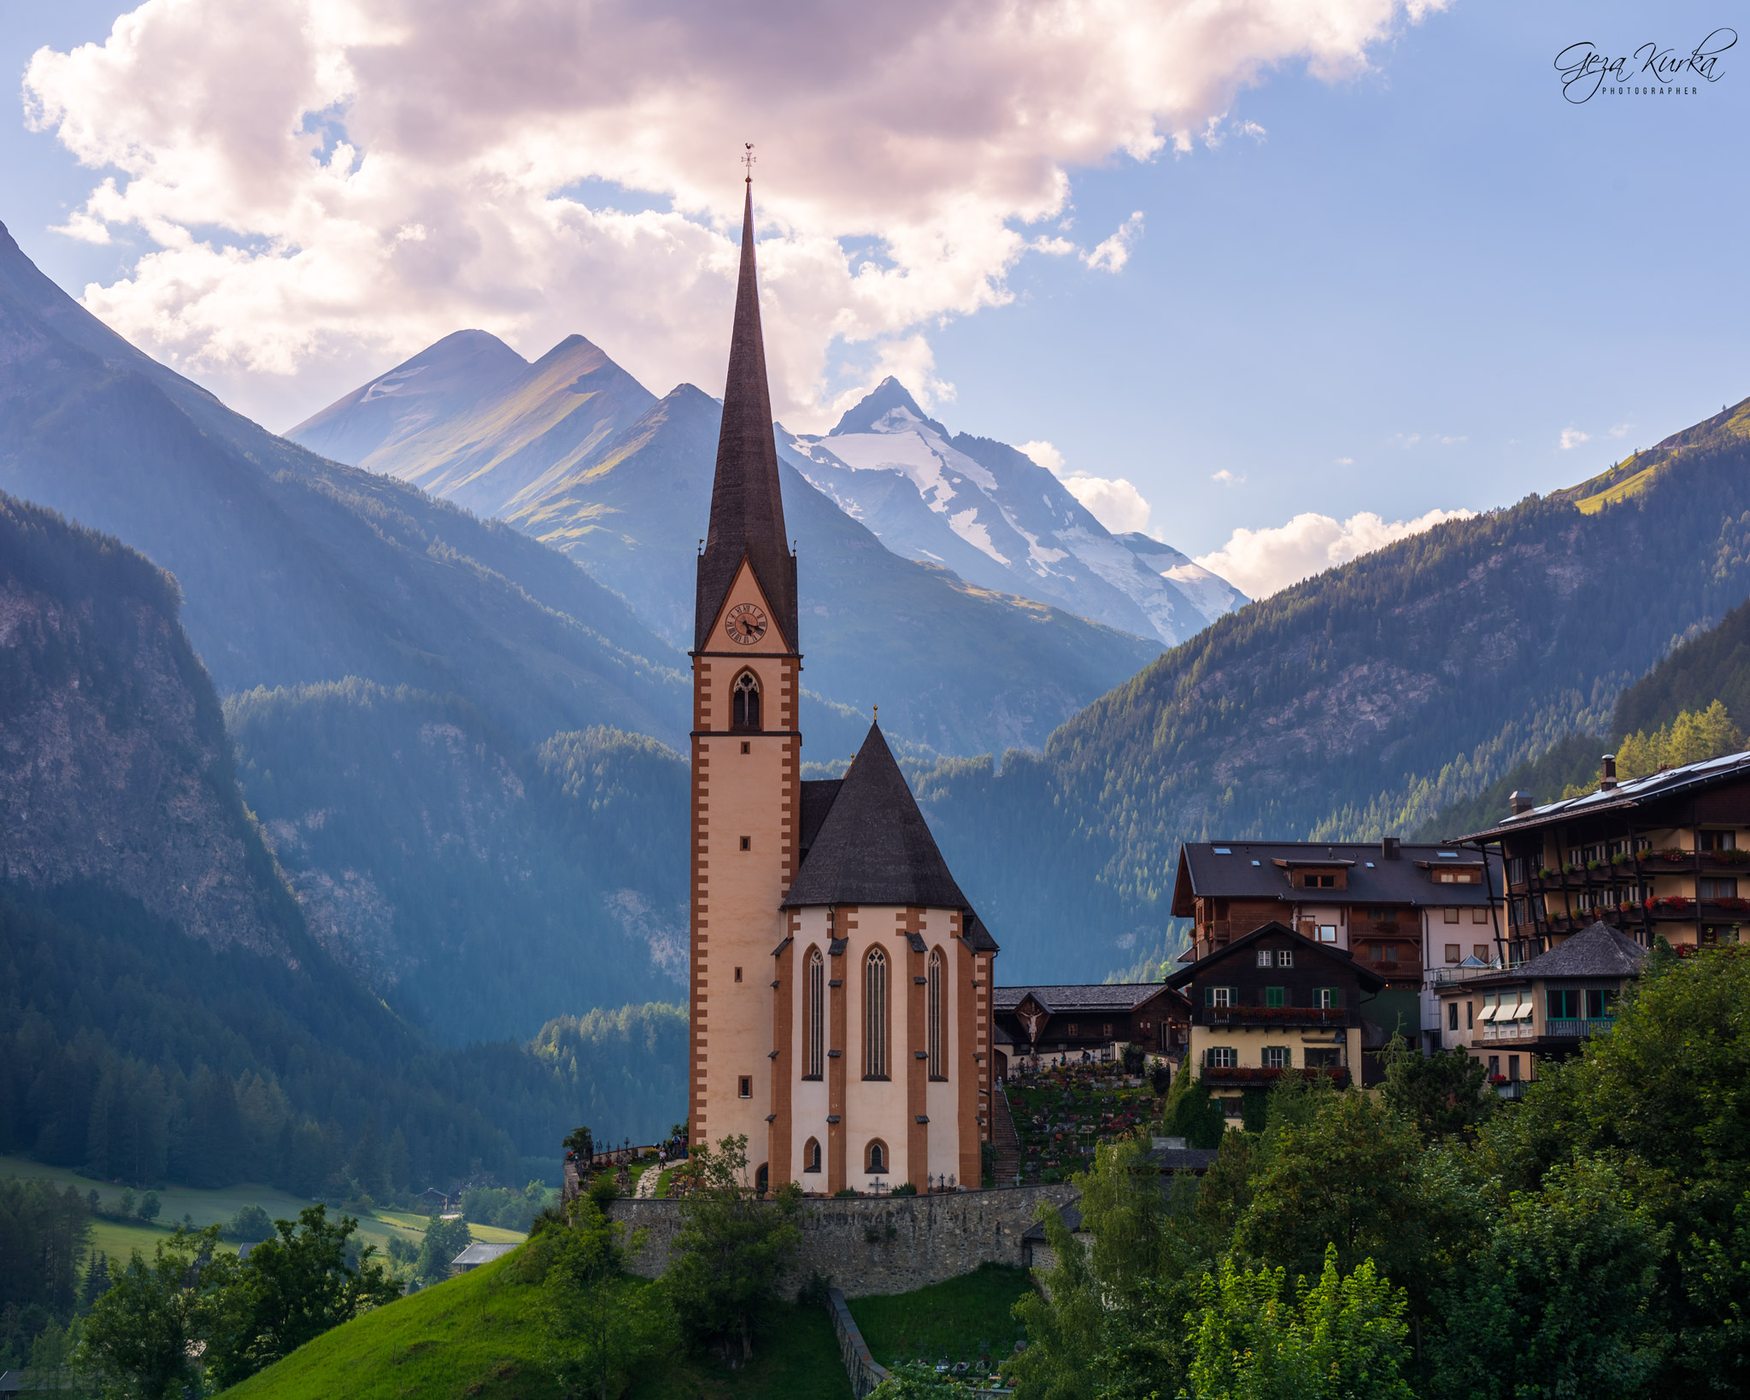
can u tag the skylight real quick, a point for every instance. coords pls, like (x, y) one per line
(1223, 850)
(1447, 855)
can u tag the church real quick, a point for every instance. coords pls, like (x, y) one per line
(841, 993)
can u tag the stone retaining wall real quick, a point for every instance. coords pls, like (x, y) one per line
(881, 1244)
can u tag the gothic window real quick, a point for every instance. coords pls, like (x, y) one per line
(762, 1179)
(938, 1029)
(875, 1157)
(746, 697)
(814, 1017)
(811, 1155)
(875, 1015)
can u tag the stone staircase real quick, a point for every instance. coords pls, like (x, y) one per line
(1007, 1142)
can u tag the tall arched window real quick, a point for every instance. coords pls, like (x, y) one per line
(745, 694)
(814, 1016)
(875, 1157)
(875, 1015)
(938, 1028)
(811, 1155)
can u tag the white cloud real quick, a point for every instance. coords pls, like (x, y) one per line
(322, 186)
(1572, 438)
(1621, 430)
(1110, 254)
(1227, 478)
(1345, 462)
(1113, 501)
(1262, 562)
(1045, 454)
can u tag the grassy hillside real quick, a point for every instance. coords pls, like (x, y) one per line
(1361, 701)
(217, 1207)
(965, 1319)
(483, 1335)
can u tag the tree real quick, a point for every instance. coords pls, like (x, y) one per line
(1343, 1335)
(444, 1240)
(1559, 1301)
(1445, 1094)
(601, 1326)
(580, 1141)
(731, 1249)
(150, 1207)
(250, 1225)
(1106, 1323)
(290, 1289)
(1348, 1174)
(139, 1342)
(1190, 1112)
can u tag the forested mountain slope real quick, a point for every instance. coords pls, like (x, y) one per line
(1708, 668)
(164, 1012)
(479, 888)
(1360, 701)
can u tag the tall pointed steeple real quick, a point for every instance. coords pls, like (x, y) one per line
(747, 511)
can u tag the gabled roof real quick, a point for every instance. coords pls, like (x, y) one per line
(1340, 957)
(1063, 998)
(747, 508)
(873, 846)
(817, 799)
(1260, 870)
(1635, 792)
(1598, 950)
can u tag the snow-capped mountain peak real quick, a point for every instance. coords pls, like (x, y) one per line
(997, 518)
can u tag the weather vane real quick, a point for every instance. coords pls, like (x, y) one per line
(748, 158)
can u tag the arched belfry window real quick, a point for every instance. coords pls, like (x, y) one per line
(875, 1157)
(938, 1026)
(875, 1015)
(811, 1155)
(814, 1016)
(745, 696)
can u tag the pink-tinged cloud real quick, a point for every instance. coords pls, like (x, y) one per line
(329, 184)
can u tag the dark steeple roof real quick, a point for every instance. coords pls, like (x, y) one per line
(874, 846)
(747, 511)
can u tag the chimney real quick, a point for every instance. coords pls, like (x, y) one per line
(1607, 772)
(1388, 847)
(1517, 803)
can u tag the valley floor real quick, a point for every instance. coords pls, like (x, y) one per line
(117, 1238)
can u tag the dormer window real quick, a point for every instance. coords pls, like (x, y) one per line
(745, 698)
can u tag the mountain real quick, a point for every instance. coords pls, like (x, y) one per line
(295, 570)
(164, 1011)
(955, 667)
(1710, 665)
(961, 664)
(998, 519)
(1359, 702)
(115, 770)
(470, 420)
(480, 888)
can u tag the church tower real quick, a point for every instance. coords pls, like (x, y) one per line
(746, 752)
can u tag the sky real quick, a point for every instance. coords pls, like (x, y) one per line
(1276, 282)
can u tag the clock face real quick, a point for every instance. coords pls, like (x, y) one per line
(747, 624)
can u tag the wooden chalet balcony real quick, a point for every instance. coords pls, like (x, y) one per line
(1576, 1027)
(1275, 1016)
(1257, 1076)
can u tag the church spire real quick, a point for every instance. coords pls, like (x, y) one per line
(747, 511)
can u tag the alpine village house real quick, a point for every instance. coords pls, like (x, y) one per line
(841, 982)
